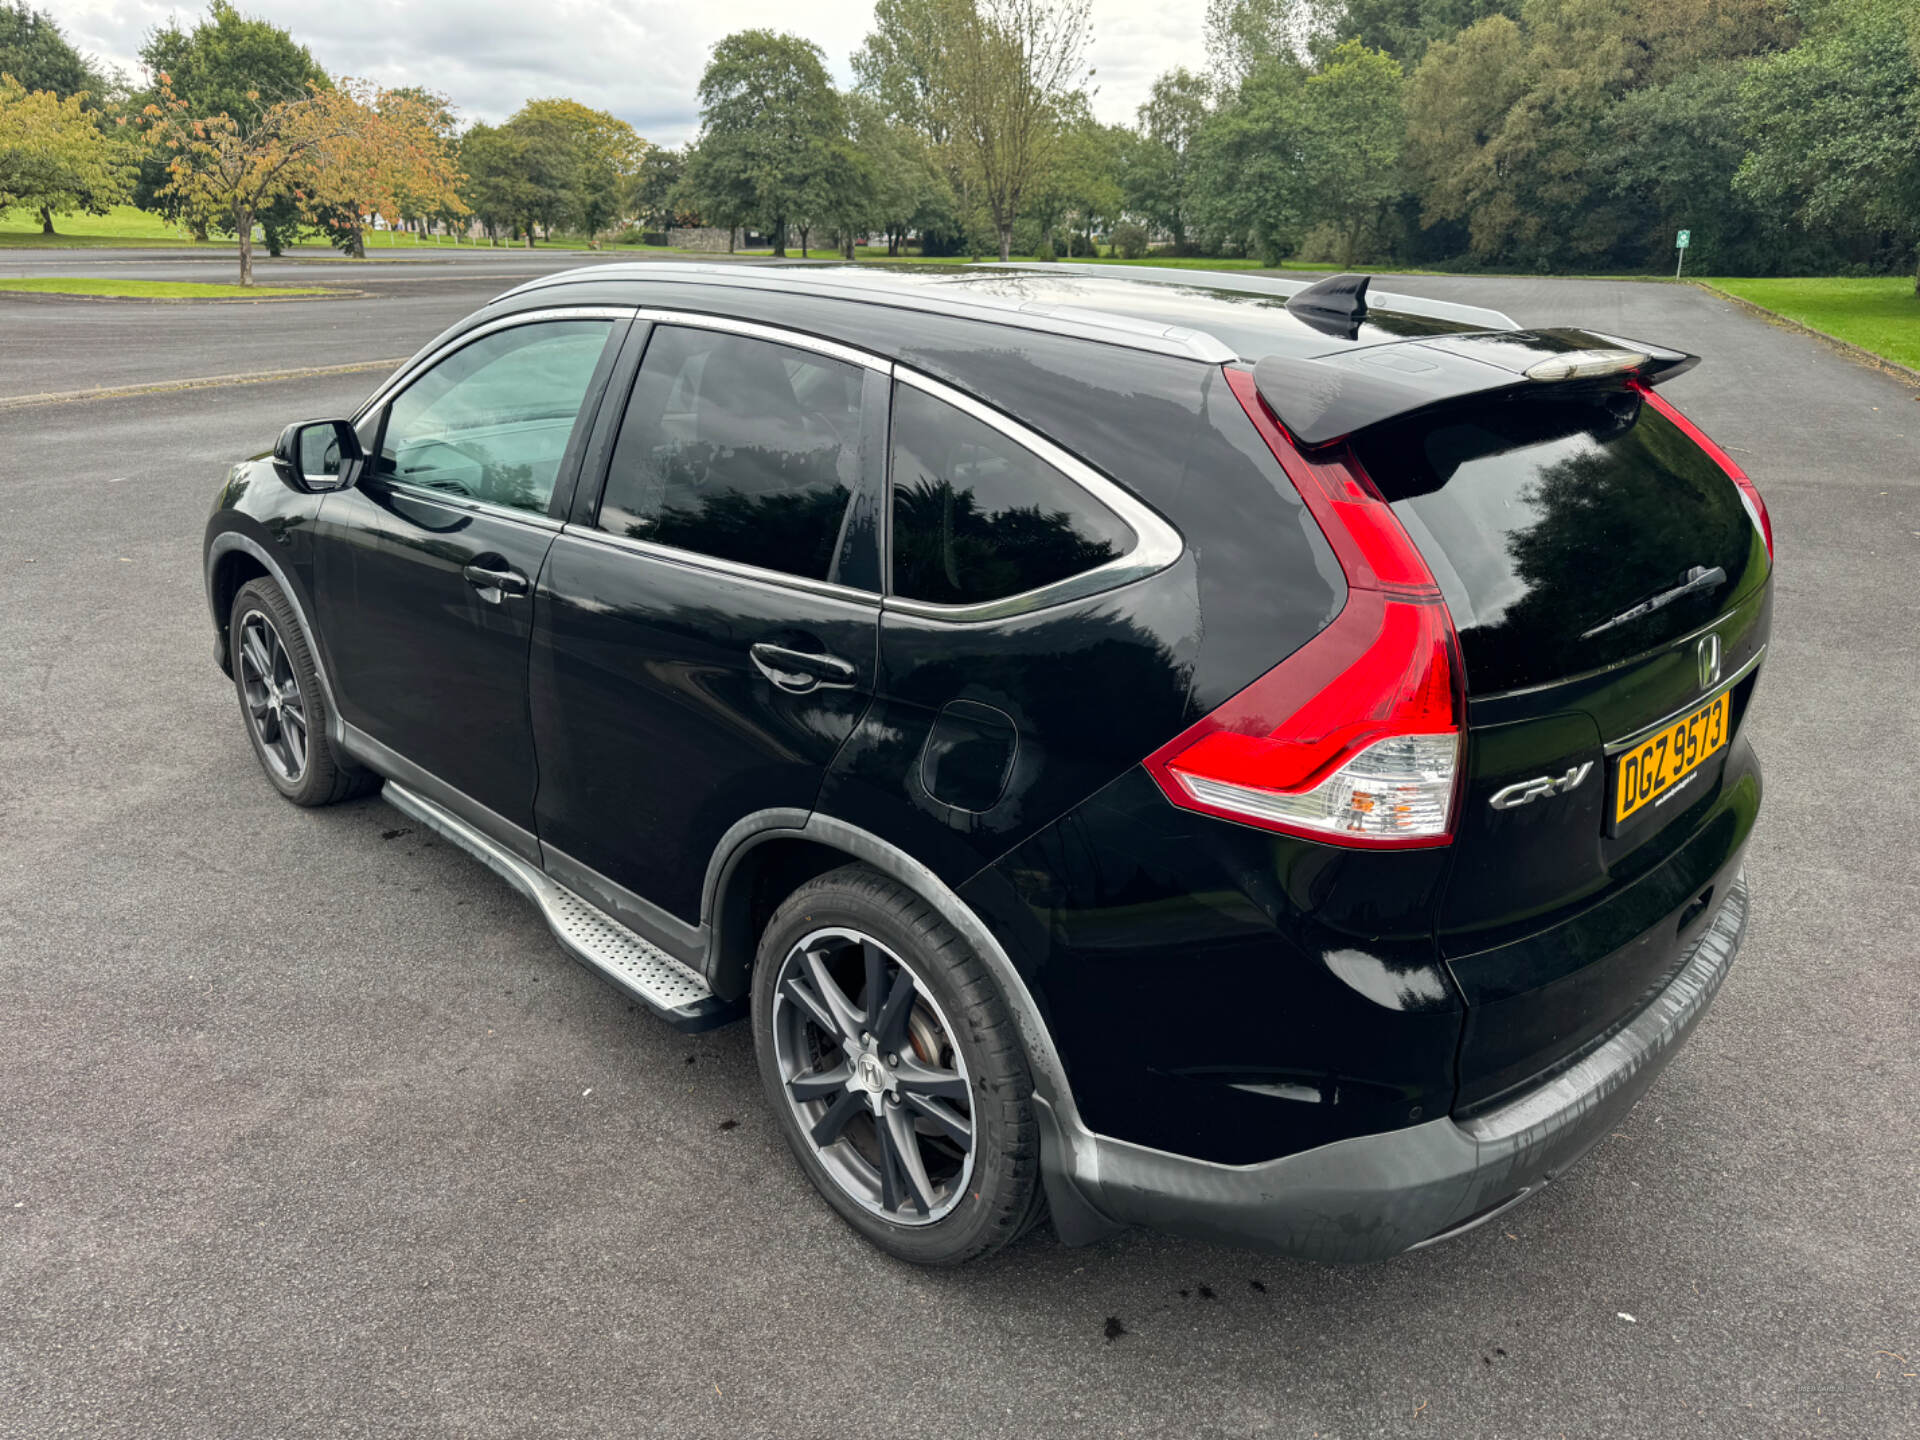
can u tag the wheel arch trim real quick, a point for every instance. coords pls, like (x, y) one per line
(228, 541)
(748, 834)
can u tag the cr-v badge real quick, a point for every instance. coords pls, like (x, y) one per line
(1527, 791)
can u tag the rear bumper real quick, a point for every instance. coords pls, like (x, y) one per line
(1377, 1195)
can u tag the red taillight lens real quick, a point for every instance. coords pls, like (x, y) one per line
(1749, 494)
(1355, 738)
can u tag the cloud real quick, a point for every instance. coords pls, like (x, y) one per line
(642, 61)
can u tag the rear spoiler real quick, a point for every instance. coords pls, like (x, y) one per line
(1323, 398)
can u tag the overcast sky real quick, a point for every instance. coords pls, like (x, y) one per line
(640, 59)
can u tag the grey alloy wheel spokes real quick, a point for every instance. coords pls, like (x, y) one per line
(869, 1067)
(276, 707)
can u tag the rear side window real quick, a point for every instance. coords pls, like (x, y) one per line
(741, 449)
(977, 516)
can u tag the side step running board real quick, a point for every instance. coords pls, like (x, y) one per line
(675, 992)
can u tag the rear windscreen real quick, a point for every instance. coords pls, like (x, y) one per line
(1545, 522)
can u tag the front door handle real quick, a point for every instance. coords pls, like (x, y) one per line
(494, 578)
(800, 672)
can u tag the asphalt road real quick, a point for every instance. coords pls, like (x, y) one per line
(308, 1128)
(59, 345)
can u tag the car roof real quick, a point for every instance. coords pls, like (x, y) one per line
(1205, 315)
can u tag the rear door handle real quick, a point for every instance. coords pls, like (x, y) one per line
(799, 671)
(502, 581)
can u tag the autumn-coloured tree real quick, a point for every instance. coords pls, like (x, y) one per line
(349, 148)
(218, 166)
(383, 153)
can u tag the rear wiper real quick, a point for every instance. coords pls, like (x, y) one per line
(1697, 579)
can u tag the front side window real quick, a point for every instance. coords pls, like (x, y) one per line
(741, 449)
(491, 421)
(977, 516)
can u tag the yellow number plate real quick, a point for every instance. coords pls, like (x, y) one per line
(1655, 766)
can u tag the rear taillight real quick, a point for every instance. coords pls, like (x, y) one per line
(1749, 495)
(1356, 737)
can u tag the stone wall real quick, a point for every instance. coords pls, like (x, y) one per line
(705, 237)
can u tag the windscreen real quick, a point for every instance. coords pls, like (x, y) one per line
(1551, 523)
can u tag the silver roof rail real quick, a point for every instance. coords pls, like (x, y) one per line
(1476, 315)
(959, 301)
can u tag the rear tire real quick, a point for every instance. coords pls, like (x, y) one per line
(879, 1034)
(282, 704)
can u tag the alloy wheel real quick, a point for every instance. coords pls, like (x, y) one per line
(276, 709)
(869, 1066)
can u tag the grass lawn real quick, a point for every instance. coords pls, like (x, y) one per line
(158, 289)
(122, 225)
(1881, 314)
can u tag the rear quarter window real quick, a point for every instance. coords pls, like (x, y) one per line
(978, 517)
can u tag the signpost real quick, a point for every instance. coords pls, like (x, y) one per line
(1684, 239)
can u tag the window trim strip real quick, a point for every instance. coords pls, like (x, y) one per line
(736, 569)
(469, 504)
(773, 334)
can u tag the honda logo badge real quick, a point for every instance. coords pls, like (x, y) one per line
(1707, 654)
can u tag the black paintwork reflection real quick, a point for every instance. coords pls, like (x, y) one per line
(656, 730)
(795, 533)
(1090, 687)
(421, 660)
(1225, 992)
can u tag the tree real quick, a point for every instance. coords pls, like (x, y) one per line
(1248, 162)
(552, 170)
(1672, 157)
(492, 160)
(381, 154)
(1405, 28)
(53, 156)
(898, 65)
(36, 54)
(39, 56)
(1351, 135)
(654, 189)
(1081, 186)
(217, 165)
(1244, 34)
(226, 65)
(606, 156)
(1509, 123)
(1835, 125)
(1001, 75)
(909, 190)
(1157, 175)
(770, 121)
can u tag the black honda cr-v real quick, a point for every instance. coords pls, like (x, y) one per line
(1203, 752)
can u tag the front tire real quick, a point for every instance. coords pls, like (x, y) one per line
(282, 703)
(895, 1071)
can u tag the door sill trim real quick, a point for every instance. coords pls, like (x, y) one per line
(396, 769)
(633, 964)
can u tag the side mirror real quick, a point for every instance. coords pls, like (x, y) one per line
(315, 456)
